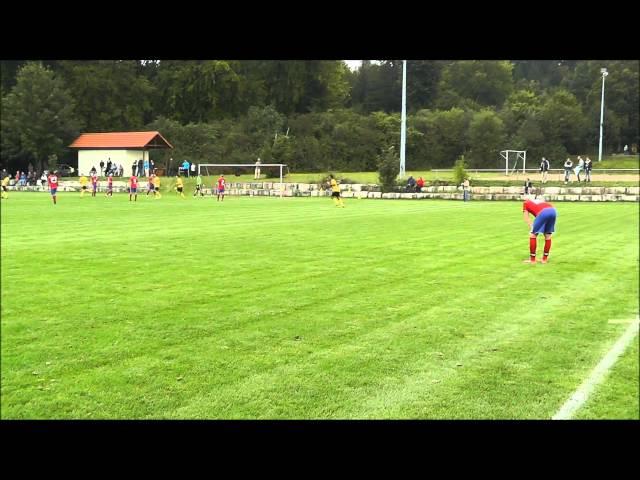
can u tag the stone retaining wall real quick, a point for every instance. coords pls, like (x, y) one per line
(568, 194)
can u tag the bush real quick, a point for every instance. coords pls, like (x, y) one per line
(388, 170)
(459, 171)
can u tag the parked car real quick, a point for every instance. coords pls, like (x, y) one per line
(65, 170)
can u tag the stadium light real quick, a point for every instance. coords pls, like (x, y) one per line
(604, 73)
(403, 125)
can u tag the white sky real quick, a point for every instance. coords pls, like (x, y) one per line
(355, 64)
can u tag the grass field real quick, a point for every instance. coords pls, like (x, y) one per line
(291, 308)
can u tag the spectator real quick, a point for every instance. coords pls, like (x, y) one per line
(134, 165)
(466, 190)
(528, 187)
(411, 184)
(17, 178)
(140, 168)
(185, 167)
(568, 165)
(152, 166)
(544, 169)
(93, 170)
(108, 171)
(101, 167)
(146, 167)
(420, 184)
(256, 174)
(626, 149)
(193, 169)
(121, 172)
(23, 179)
(587, 170)
(43, 179)
(579, 167)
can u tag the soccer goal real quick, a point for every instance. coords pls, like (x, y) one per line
(251, 168)
(513, 156)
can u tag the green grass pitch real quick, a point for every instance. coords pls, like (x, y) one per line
(269, 308)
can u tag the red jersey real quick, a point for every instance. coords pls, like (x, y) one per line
(133, 181)
(53, 181)
(94, 178)
(110, 180)
(534, 207)
(220, 183)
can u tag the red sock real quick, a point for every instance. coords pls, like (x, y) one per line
(532, 247)
(547, 247)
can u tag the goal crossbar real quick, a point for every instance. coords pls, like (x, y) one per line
(250, 165)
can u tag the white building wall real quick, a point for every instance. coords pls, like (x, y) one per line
(92, 158)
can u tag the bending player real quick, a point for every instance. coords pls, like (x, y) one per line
(545, 222)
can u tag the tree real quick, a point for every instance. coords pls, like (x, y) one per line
(443, 135)
(197, 90)
(422, 83)
(486, 83)
(485, 137)
(110, 95)
(38, 118)
(562, 121)
(388, 169)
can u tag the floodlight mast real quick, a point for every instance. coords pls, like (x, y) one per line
(604, 73)
(403, 126)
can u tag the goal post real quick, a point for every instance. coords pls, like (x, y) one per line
(519, 155)
(251, 166)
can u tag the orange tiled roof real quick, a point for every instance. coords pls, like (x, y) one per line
(120, 140)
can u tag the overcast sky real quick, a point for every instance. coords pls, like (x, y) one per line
(353, 64)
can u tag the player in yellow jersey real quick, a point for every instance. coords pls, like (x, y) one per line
(5, 185)
(156, 184)
(335, 192)
(83, 185)
(179, 186)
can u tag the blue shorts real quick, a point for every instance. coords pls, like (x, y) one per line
(133, 190)
(545, 222)
(53, 191)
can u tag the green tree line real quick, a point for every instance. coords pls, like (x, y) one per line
(317, 115)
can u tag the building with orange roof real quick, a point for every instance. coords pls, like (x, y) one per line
(119, 147)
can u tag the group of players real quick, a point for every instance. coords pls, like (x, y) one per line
(153, 186)
(544, 213)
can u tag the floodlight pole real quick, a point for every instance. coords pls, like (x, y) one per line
(403, 126)
(604, 73)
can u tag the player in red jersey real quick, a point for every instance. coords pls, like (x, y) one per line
(545, 222)
(109, 185)
(53, 185)
(133, 187)
(221, 184)
(94, 184)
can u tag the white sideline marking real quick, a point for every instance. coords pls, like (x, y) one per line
(582, 393)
